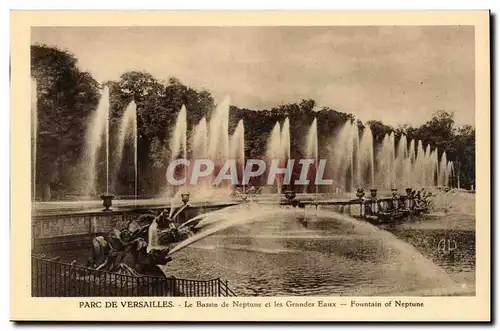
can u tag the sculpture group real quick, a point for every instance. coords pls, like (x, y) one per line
(139, 248)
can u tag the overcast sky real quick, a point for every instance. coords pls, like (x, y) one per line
(394, 74)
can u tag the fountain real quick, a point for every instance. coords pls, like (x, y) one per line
(178, 143)
(98, 132)
(354, 162)
(450, 171)
(218, 140)
(341, 156)
(434, 175)
(356, 157)
(358, 166)
(237, 146)
(199, 148)
(285, 139)
(411, 154)
(419, 167)
(386, 161)
(199, 141)
(443, 173)
(401, 163)
(386, 255)
(366, 157)
(128, 129)
(312, 147)
(275, 151)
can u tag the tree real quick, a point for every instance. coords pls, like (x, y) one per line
(465, 165)
(438, 132)
(65, 98)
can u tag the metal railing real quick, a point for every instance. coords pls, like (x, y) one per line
(57, 279)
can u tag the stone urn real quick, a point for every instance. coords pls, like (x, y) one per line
(185, 198)
(107, 201)
(360, 193)
(394, 193)
(290, 195)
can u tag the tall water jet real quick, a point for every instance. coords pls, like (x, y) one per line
(419, 171)
(199, 148)
(366, 155)
(285, 139)
(237, 143)
(312, 141)
(350, 149)
(450, 169)
(411, 152)
(98, 131)
(400, 162)
(312, 145)
(443, 173)
(386, 159)
(392, 159)
(34, 133)
(274, 150)
(218, 146)
(356, 153)
(178, 144)
(199, 141)
(341, 156)
(218, 136)
(411, 166)
(128, 129)
(434, 167)
(427, 167)
(402, 149)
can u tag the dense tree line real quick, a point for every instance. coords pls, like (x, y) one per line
(66, 97)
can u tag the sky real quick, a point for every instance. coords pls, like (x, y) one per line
(399, 75)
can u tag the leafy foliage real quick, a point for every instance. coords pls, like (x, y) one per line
(67, 97)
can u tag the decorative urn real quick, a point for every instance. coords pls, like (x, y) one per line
(290, 195)
(394, 193)
(185, 198)
(360, 193)
(107, 201)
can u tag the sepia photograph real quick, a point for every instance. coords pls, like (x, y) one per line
(265, 161)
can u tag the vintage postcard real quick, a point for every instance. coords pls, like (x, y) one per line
(250, 166)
